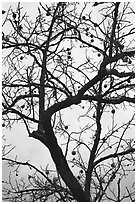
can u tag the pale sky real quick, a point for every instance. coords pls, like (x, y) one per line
(31, 149)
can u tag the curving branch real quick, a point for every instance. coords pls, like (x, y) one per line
(114, 155)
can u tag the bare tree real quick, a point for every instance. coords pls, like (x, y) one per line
(73, 57)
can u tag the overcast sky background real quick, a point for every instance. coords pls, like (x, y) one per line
(31, 149)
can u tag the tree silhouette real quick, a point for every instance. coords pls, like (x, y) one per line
(71, 58)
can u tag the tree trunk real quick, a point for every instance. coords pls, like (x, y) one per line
(60, 161)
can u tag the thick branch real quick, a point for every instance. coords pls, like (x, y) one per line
(115, 58)
(44, 70)
(109, 100)
(77, 99)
